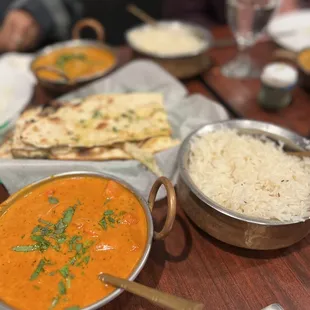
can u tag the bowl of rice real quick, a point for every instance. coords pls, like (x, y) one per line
(238, 183)
(180, 47)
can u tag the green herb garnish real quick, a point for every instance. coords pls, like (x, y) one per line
(103, 223)
(97, 114)
(107, 201)
(64, 271)
(39, 269)
(53, 200)
(110, 218)
(62, 288)
(63, 223)
(62, 60)
(78, 247)
(26, 248)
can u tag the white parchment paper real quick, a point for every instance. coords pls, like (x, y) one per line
(16, 86)
(185, 113)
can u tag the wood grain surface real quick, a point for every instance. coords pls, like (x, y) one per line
(241, 95)
(191, 264)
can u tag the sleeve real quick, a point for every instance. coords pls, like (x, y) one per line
(55, 17)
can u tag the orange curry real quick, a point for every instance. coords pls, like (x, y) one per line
(56, 239)
(75, 62)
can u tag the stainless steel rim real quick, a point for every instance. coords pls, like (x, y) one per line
(290, 138)
(74, 43)
(199, 30)
(150, 228)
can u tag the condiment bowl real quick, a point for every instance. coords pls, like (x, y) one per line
(228, 226)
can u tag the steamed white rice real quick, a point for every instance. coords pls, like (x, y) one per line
(250, 176)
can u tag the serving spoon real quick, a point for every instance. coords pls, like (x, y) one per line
(299, 153)
(142, 15)
(156, 297)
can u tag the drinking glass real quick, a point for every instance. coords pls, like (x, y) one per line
(247, 20)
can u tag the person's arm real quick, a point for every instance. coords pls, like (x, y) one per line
(29, 22)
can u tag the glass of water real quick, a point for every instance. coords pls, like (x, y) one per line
(247, 20)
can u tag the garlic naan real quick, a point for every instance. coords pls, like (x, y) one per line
(101, 120)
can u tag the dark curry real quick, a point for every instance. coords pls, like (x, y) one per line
(57, 239)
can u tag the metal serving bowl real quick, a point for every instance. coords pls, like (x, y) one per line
(64, 84)
(181, 65)
(147, 207)
(228, 226)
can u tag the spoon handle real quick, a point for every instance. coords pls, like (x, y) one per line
(300, 153)
(156, 297)
(134, 10)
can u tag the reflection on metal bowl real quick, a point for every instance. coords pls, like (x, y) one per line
(228, 226)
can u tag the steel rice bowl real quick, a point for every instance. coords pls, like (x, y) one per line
(151, 234)
(182, 65)
(232, 227)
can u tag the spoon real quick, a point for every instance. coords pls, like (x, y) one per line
(156, 297)
(142, 15)
(299, 153)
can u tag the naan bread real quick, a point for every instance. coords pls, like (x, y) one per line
(101, 120)
(19, 148)
(115, 152)
(92, 154)
(145, 158)
(116, 109)
(158, 144)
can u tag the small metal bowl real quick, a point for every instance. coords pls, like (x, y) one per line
(232, 227)
(146, 205)
(182, 65)
(64, 84)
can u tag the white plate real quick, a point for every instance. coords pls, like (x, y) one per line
(299, 23)
(16, 87)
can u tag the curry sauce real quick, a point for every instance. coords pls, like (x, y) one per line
(76, 62)
(57, 239)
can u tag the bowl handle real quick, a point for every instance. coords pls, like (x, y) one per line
(171, 199)
(91, 23)
(54, 70)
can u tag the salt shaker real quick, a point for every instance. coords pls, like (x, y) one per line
(277, 82)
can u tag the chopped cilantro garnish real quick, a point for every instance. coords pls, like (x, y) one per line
(39, 269)
(53, 200)
(62, 288)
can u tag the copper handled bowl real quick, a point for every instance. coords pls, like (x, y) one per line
(147, 207)
(183, 65)
(64, 84)
(228, 226)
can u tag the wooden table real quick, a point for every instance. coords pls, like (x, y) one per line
(191, 264)
(241, 95)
